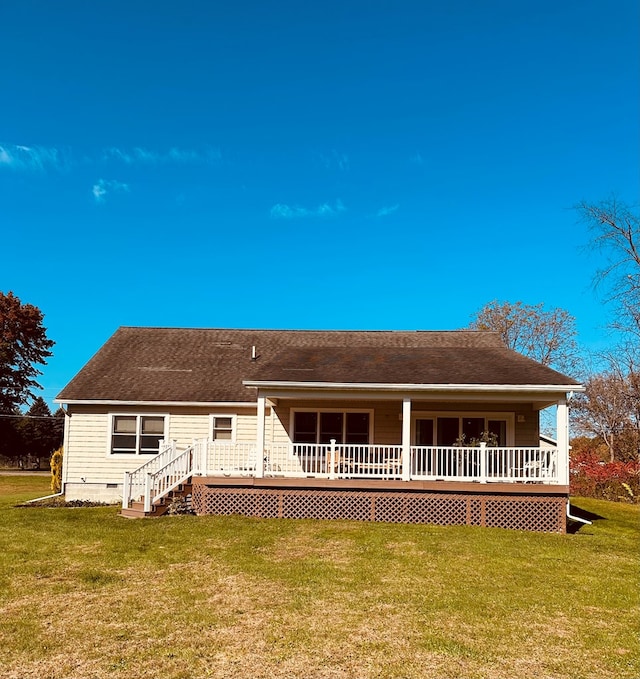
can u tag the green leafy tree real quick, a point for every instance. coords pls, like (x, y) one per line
(23, 346)
(10, 434)
(41, 432)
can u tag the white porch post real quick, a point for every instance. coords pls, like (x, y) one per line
(483, 462)
(260, 438)
(199, 463)
(126, 491)
(332, 459)
(147, 492)
(406, 438)
(562, 425)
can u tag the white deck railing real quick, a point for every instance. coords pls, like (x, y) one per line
(435, 463)
(224, 458)
(332, 461)
(484, 464)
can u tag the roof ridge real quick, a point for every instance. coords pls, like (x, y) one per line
(306, 330)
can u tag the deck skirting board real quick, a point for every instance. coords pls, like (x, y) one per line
(537, 511)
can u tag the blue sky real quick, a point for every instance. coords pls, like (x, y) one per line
(335, 164)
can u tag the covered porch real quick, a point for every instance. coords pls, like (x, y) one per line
(470, 434)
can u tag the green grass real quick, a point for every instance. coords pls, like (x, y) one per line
(85, 593)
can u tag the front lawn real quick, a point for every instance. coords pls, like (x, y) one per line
(85, 593)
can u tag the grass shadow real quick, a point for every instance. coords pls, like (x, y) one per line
(574, 526)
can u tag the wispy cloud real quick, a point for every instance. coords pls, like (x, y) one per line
(103, 187)
(282, 211)
(335, 160)
(387, 210)
(32, 158)
(145, 156)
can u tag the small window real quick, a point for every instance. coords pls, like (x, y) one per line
(222, 428)
(137, 434)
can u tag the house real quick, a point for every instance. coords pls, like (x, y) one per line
(435, 427)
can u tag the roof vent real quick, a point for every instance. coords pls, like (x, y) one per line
(254, 355)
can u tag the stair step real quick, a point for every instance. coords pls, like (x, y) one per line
(136, 508)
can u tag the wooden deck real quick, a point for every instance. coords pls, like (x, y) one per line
(520, 506)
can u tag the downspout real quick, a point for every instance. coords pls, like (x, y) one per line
(46, 497)
(576, 518)
(65, 441)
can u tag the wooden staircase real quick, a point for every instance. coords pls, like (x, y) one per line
(161, 507)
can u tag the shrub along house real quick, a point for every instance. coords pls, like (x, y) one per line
(425, 427)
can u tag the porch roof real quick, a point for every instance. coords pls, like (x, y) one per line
(173, 365)
(433, 366)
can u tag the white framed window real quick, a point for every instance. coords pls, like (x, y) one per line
(320, 426)
(452, 428)
(137, 434)
(222, 427)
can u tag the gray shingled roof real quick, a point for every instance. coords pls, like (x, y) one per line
(210, 365)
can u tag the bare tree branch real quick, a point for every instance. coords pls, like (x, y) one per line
(616, 228)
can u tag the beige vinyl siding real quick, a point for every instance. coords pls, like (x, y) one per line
(86, 448)
(246, 426)
(280, 423)
(184, 427)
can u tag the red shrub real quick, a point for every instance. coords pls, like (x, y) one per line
(591, 477)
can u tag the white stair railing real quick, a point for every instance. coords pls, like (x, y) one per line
(161, 482)
(135, 481)
(141, 483)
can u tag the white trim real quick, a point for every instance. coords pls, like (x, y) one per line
(137, 455)
(164, 404)
(260, 451)
(386, 386)
(509, 417)
(562, 426)
(406, 439)
(344, 411)
(65, 451)
(233, 418)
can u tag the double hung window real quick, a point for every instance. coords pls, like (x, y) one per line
(222, 428)
(136, 434)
